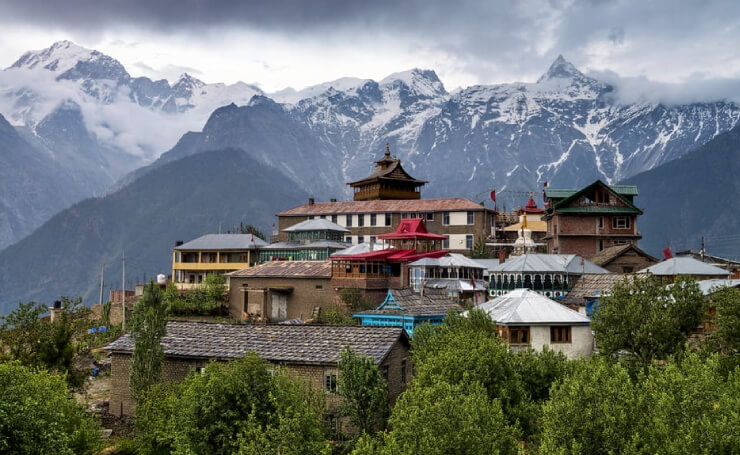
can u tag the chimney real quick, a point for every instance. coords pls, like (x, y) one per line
(501, 256)
(178, 243)
(311, 201)
(56, 310)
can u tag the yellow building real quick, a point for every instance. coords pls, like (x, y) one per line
(213, 253)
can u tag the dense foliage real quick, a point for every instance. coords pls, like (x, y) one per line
(364, 392)
(206, 300)
(148, 326)
(645, 320)
(39, 416)
(236, 407)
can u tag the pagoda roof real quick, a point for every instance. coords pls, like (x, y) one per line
(391, 255)
(411, 228)
(388, 168)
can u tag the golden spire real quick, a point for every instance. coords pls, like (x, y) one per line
(524, 221)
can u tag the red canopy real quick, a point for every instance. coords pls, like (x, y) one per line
(411, 228)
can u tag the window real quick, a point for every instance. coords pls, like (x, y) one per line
(469, 241)
(310, 217)
(601, 222)
(349, 220)
(471, 217)
(360, 239)
(446, 243)
(429, 216)
(388, 221)
(319, 286)
(361, 219)
(519, 335)
(601, 245)
(560, 334)
(330, 382)
(621, 222)
(628, 269)
(348, 239)
(332, 421)
(323, 217)
(446, 218)
(334, 219)
(373, 239)
(200, 370)
(373, 219)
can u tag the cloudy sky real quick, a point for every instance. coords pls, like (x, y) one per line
(682, 49)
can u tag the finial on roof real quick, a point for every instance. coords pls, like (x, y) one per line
(524, 221)
(387, 149)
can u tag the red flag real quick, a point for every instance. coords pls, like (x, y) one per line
(251, 231)
(493, 195)
(667, 253)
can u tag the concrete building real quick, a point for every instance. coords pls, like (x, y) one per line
(526, 319)
(591, 219)
(212, 253)
(280, 290)
(309, 352)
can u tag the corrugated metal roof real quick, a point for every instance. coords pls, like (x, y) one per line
(385, 206)
(318, 224)
(683, 266)
(599, 209)
(711, 286)
(454, 284)
(306, 246)
(293, 344)
(360, 248)
(224, 242)
(525, 307)
(452, 260)
(624, 190)
(287, 269)
(568, 263)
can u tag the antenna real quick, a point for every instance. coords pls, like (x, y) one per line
(102, 272)
(123, 292)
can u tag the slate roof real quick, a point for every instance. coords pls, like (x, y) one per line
(683, 266)
(525, 307)
(607, 255)
(592, 285)
(317, 224)
(292, 344)
(570, 263)
(287, 269)
(224, 242)
(435, 302)
(384, 206)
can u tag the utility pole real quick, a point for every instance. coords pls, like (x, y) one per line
(123, 292)
(102, 272)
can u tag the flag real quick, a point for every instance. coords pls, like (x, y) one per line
(667, 253)
(493, 198)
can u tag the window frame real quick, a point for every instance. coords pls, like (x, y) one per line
(348, 220)
(445, 218)
(331, 382)
(617, 225)
(469, 241)
(361, 220)
(470, 217)
(373, 219)
(561, 334)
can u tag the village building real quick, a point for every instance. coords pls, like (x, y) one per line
(377, 270)
(406, 308)
(526, 319)
(212, 253)
(591, 219)
(529, 218)
(281, 290)
(687, 267)
(461, 277)
(730, 265)
(552, 275)
(627, 258)
(310, 240)
(589, 289)
(308, 352)
(387, 196)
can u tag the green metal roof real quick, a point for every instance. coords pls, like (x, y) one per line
(599, 209)
(624, 190)
(558, 193)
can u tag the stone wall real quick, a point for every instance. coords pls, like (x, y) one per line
(254, 295)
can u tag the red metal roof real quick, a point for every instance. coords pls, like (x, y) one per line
(532, 207)
(397, 206)
(411, 228)
(392, 255)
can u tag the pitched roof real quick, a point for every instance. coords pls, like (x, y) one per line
(555, 193)
(406, 302)
(683, 266)
(292, 344)
(708, 287)
(451, 260)
(454, 284)
(607, 255)
(411, 228)
(525, 307)
(317, 224)
(592, 285)
(224, 242)
(561, 204)
(389, 254)
(388, 168)
(287, 269)
(359, 248)
(384, 206)
(306, 246)
(534, 226)
(563, 263)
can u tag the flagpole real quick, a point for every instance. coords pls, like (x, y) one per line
(123, 292)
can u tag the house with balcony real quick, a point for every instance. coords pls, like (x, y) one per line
(310, 240)
(460, 277)
(589, 220)
(212, 253)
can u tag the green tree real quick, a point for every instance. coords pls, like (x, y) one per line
(592, 411)
(147, 327)
(442, 419)
(647, 320)
(480, 249)
(235, 407)
(726, 335)
(39, 416)
(355, 299)
(60, 349)
(22, 333)
(364, 392)
(215, 291)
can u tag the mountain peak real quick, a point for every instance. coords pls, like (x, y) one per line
(186, 79)
(561, 69)
(424, 82)
(58, 58)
